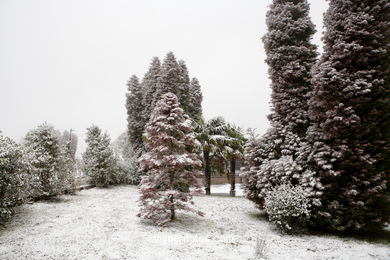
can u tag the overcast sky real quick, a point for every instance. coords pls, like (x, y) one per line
(67, 62)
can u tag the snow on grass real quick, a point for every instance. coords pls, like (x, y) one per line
(225, 189)
(101, 224)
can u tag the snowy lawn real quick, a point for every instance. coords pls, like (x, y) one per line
(224, 189)
(101, 224)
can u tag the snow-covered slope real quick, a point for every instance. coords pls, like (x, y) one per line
(101, 224)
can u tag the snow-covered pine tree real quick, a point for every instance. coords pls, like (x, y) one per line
(99, 161)
(170, 78)
(290, 57)
(44, 155)
(129, 172)
(184, 87)
(69, 139)
(196, 98)
(12, 182)
(171, 162)
(135, 113)
(67, 174)
(252, 162)
(149, 87)
(349, 107)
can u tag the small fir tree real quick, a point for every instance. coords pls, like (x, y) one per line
(67, 174)
(44, 156)
(171, 162)
(99, 162)
(129, 171)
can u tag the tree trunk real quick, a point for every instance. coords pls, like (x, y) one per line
(233, 177)
(207, 171)
(171, 177)
(172, 208)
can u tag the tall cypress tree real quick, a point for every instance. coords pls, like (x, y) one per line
(349, 108)
(290, 57)
(135, 115)
(170, 78)
(196, 98)
(149, 87)
(184, 86)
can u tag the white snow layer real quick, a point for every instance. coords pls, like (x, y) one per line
(102, 224)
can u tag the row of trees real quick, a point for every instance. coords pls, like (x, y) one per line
(330, 118)
(170, 76)
(42, 166)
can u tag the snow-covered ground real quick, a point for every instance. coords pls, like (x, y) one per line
(102, 224)
(225, 188)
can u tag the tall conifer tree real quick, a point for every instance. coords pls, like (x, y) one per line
(135, 115)
(171, 162)
(349, 108)
(196, 98)
(149, 87)
(290, 57)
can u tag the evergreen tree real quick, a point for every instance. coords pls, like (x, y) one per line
(12, 182)
(99, 161)
(149, 87)
(171, 163)
(290, 57)
(69, 140)
(67, 174)
(252, 161)
(184, 87)
(44, 155)
(349, 108)
(129, 172)
(196, 98)
(135, 113)
(170, 78)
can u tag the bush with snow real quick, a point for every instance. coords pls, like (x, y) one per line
(11, 177)
(43, 161)
(171, 163)
(288, 207)
(128, 167)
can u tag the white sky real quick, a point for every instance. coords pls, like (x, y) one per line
(67, 62)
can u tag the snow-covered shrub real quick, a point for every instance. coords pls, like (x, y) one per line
(99, 162)
(128, 167)
(67, 173)
(288, 207)
(12, 183)
(43, 158)
(171, 163)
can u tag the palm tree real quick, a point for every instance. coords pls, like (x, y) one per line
(233, 150)
(211, 135)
